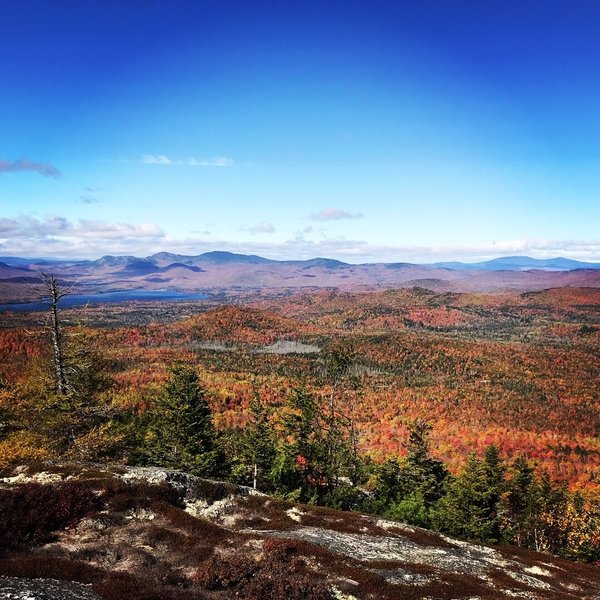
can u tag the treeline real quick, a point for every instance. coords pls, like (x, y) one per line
(307, 454)
(536, 399)
(305, 450)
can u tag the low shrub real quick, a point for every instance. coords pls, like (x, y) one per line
(127, 496)
(195, 527)
(116, 586)
(109, 586)
(278, 575)
(46, 566)
(31, 513)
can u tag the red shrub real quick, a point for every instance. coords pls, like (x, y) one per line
(31, 513)
(278, 576)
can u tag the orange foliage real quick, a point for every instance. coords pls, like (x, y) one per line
(521, 371)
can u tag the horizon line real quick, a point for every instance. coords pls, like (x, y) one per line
(283, 260)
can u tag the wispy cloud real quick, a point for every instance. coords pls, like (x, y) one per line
(359, 251)
(334, 214)
(90, 200)
(262, 227)
(54, 226)
(57, 236)
(161, 159)
(24, 164)
(156, 159)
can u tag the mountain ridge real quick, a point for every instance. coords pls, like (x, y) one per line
(229, 272)
(516, 262)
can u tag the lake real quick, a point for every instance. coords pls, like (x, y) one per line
(108, 297)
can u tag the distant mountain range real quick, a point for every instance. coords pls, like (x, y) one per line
(226, 271)
(522, 263)
(505, 263)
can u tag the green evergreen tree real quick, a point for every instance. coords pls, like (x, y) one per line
(180, 433)
(553, 506)
(314, 461)
(495, 474)
(387, 486)
(252, 449)
(79, 421)
(410, 509)
(468, 509)
(424, 474)
(522, 504)
(407, 489)
(298, 470)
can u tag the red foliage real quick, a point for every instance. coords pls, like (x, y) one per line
(32, 513)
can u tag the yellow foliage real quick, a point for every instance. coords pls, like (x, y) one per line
(23, 447)
(101, 442)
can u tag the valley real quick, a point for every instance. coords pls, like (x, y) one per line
(520, 371)
(227, 273)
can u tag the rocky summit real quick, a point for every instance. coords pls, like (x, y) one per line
(75, 531)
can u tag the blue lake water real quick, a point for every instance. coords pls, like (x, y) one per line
(108, 297)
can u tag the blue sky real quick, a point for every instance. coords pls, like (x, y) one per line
(364, 131)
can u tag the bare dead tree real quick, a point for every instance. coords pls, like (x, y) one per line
(56, 292)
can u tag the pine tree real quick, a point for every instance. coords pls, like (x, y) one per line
(56, 292)
(424, 474)
(252, 449)
(495, 473)
(79, 420)
(553, 507)
(181, 434)
(339, 430)
(522, 504)
(407, 489)
(298, 468)
(468, 509)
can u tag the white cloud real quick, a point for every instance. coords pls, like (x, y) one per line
(156, 159)
(262, 227)
(161, 159)
(56, 236)
(334, 214)
(217, 161)
(103, 230)
(359, 251)
(54, 226)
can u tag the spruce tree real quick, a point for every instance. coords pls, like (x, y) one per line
(181, 434)
(299, 465)
(424, 475)
(81, 421)
(495, 473)
(468, 509)
(251, 450)
(522, 504)
(406, 489)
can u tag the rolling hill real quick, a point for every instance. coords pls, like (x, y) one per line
(226, 271)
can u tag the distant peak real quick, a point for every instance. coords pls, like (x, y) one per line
(221, 256)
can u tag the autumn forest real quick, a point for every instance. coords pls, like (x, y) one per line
(334, 397)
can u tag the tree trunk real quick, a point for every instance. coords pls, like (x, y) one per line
(59, 366)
